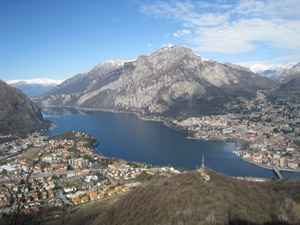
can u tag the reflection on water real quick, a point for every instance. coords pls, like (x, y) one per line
(62, 111)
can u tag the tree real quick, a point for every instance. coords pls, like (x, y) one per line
(148, 166)
(4, 171)
(69, 167)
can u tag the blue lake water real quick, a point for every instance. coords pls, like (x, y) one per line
(125, 136)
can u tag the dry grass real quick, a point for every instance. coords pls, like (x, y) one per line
(187, 199)
(31, 153)
(83, 215)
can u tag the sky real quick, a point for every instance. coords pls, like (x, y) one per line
(58, 39)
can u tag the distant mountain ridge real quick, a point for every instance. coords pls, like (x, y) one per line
(289, 88)
(18, 114)
(35, 87)
(172, 81)
(40, 81)
(290, 74)
(272, 71)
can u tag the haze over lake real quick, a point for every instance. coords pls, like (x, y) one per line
(125, 136)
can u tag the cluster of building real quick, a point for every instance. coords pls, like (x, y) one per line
(64, 171)
(271, 130)
(96, 194)
(285, 160)
(123, 171)
(36, 193)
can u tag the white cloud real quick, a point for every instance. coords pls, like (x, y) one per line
(268, 63)
(241, 36)
(167, 35)
(233, 27)
(149, 45)
(182, 33)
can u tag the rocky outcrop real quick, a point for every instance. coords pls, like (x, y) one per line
(18, 114)
(172, 81)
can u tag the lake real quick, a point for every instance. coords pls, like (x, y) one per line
(125, 136)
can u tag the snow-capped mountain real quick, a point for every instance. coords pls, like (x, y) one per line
(172, 81)
(272, 71)
(290, 74)
(40, 81)
(34, 87)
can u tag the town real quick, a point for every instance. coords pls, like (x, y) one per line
(270, 132)
(40, 171)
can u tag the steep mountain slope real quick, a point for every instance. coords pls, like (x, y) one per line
(34, 87)
(18, 114)
(289, 90)
(80, 82)
(170, 81)
(188, 199)
(290, 74)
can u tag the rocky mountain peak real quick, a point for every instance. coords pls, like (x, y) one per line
(170, 81)
(174, 51)
(109, 65)
(169, 53)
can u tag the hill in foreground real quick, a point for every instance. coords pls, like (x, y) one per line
(188, 199)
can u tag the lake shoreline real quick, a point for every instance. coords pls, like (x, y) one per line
(162, 158)
(270, 168)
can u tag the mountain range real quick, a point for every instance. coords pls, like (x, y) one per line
(18, 114)
(290, 74)
(34, 87)
(275, 72)
(173, 81)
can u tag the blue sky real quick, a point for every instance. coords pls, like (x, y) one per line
(57, 39)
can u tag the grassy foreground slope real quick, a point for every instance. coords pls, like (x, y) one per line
(188, 199)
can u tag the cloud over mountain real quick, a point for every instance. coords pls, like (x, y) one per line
(233, 27)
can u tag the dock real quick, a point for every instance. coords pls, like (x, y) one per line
(278, 174)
